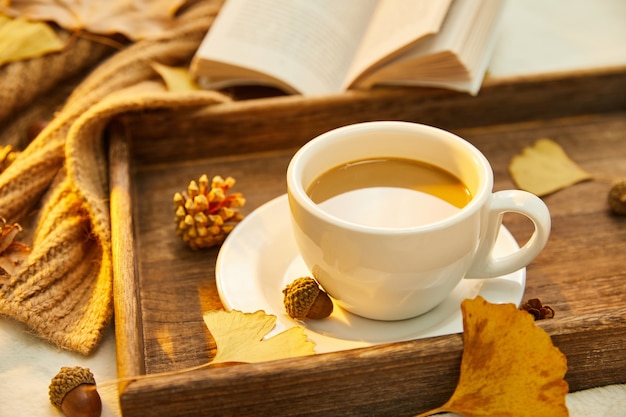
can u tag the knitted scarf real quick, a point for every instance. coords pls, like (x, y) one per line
(64, 290)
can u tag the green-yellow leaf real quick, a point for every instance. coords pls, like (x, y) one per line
(21, 39)
(545, 168)
(240, 337)
(175, 78)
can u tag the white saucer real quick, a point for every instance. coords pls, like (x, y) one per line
(259, 258)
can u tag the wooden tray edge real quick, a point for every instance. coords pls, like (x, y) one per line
(129, 352)
(289, 121)
(398, 379)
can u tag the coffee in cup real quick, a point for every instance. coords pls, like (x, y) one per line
(389, 192)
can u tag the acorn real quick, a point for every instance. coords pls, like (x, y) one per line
(617, 197)
(304, 299)
(73, 391)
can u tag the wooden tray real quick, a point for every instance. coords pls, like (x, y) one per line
(162, 288)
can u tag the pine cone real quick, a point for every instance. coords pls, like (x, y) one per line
(206, 215)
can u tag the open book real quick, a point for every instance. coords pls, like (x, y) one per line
(315, 47)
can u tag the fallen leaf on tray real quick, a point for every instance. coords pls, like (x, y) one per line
(135, 19)
(21, 39)
(509, 366)
(240, 338)
(175, 78)
(545, 168)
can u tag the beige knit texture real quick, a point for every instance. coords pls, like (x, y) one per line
(22, 83)
(64, 292)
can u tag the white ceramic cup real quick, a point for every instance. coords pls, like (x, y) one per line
(396, 273)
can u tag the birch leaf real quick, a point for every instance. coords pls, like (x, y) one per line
(175, 78)
(21, 39)
(509, 366)
(240, 338)
(136, 19)
(545, 168)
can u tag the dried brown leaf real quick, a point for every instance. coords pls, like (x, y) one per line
(12, 254)
(136, 19)
(509, 366)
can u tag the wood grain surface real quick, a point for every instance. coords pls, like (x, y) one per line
(165, 287)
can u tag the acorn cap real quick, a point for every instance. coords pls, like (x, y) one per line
(66, 380)
(300, 296)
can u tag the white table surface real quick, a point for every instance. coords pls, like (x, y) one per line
(538, 36)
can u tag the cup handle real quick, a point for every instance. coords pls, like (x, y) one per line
(510, 201)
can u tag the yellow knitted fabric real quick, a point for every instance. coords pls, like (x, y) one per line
(64, 292)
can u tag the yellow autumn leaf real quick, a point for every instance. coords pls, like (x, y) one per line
(509, 366)
(175, 78)
(21, 39)
(136, 19)
(240, 337)
(545, 168)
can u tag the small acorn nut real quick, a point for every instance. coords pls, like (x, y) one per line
(617, 197)
(304, 299)
(73, 391)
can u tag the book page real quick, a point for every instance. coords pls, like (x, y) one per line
(456, 58)
(396, 25)
(309, 45)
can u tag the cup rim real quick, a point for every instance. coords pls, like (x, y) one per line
(296, 190)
